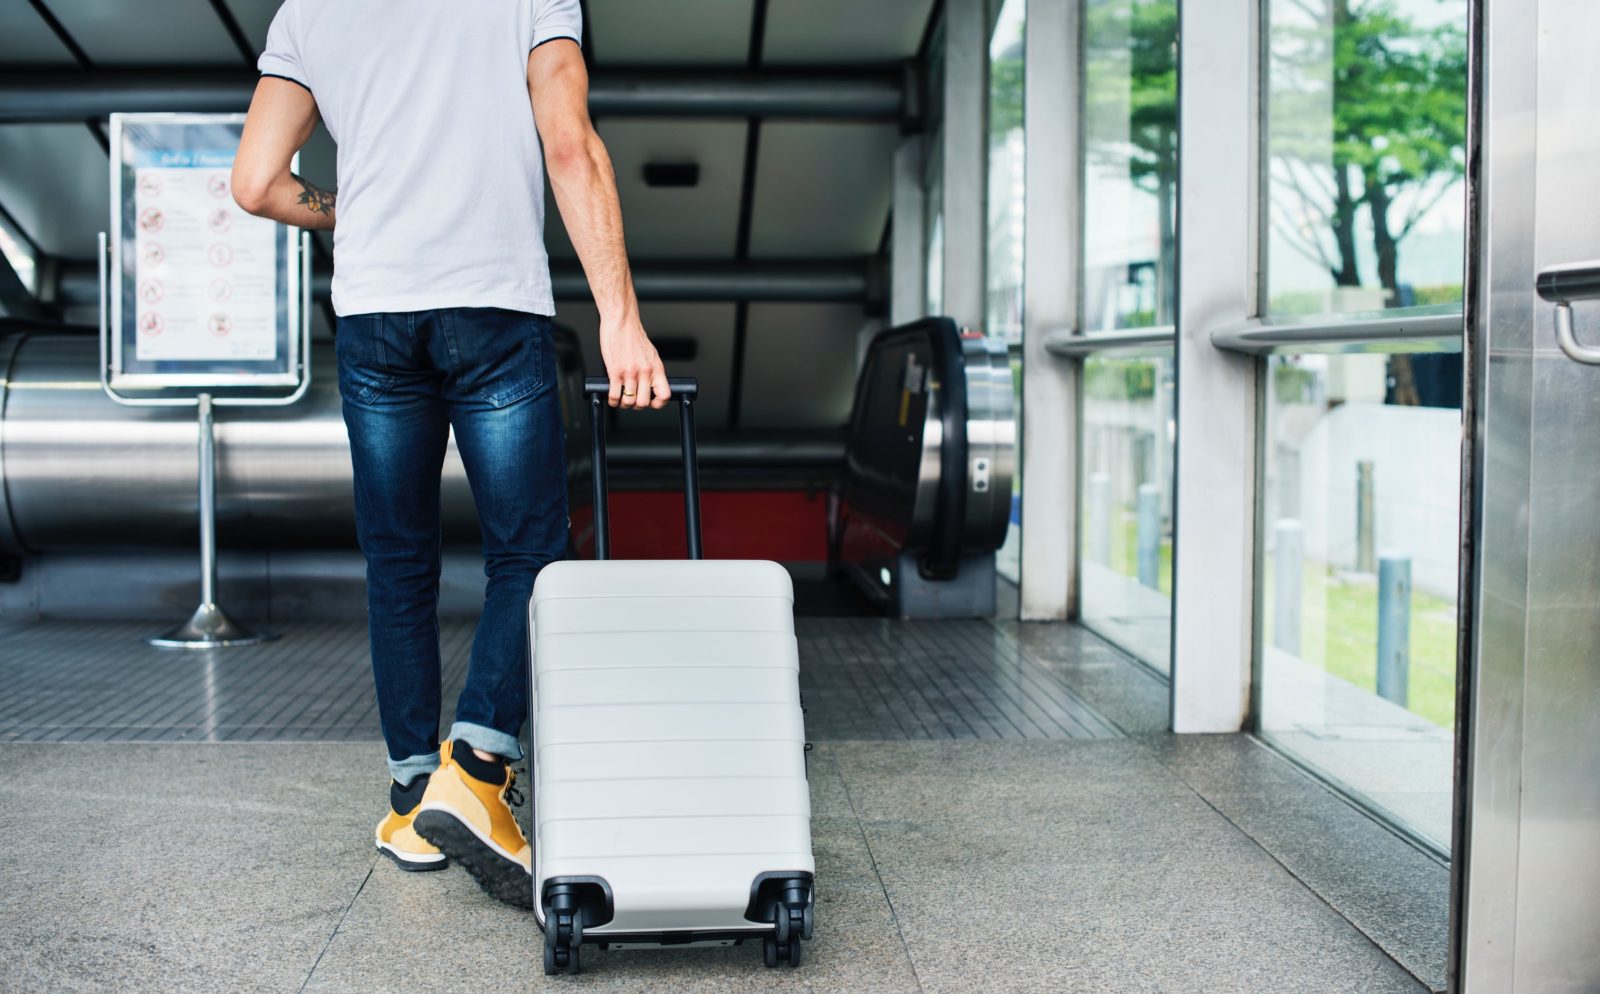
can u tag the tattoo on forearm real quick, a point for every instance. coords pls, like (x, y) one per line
(315, 199)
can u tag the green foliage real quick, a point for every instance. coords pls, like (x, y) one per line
(1293, 385)
(1131, 84)
(1119, 379)
(1397, 91)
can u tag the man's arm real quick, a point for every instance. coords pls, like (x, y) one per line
(586, 193)
(281, 117)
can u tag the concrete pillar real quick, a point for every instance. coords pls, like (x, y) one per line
(1049, 451)
(1213, 623)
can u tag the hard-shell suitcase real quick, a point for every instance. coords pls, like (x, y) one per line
(670, 803)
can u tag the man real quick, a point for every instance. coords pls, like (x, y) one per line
(442, 288)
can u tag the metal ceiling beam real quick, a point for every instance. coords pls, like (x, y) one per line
(867, 95)
(856, 281)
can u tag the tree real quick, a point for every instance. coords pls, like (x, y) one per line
(1131, 72)
(1397, 147)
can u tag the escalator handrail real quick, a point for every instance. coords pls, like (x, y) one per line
(950, 507)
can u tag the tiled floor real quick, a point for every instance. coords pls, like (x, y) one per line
(863, 678)
(1075, 848)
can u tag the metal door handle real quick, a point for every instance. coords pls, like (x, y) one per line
(1564, 286)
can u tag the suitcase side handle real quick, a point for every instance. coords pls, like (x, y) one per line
(685, 390)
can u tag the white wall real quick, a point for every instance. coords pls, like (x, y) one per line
(1417, 466)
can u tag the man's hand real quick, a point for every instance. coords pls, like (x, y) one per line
(586, 193)
(281, 117)
(637, 377)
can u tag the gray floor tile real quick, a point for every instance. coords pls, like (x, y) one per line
(176, 868)
(474, 944)
(1003, 889)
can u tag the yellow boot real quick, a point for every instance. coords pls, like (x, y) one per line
(398, 840)
(465, 812)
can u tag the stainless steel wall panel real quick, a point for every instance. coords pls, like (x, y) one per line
(1530, 866)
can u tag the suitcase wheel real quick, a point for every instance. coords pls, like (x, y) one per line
(775, 952)
(791, 922)
(563, 934)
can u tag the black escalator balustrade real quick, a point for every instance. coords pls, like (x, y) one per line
(926, 493)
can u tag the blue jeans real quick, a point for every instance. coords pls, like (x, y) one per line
(406, 381)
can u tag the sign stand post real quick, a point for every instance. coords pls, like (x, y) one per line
(200, 306)
(209, 626)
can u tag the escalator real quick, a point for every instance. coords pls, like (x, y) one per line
(900, 512)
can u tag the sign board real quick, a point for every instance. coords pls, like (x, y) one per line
(202, 294)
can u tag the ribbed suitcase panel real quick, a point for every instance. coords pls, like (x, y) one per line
(625, 763)
(651, 723)
(669, 755)
(664, 613)
(675, 685)
(600, 651)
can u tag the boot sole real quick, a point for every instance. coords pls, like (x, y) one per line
(502, 879)
(414, 865)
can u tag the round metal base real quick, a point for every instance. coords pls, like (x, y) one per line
(209, 628)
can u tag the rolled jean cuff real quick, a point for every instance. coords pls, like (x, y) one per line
(406, 770)
(487, 739)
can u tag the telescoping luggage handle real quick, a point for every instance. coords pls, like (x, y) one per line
(684, 390)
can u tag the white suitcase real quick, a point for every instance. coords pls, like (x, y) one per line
(670, 803)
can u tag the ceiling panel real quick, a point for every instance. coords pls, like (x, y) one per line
(820, 32)
(710, 325)
(254, 17)
(678, 222)
(682, 32)
(26, 40)
(822, 190)
(55, 180)
(149, 32)
(800, 365)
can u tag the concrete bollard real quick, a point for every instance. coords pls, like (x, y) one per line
(1288, 570)
(1366, 517)
(1394, 627)
(1098, 541)
(1150, 535)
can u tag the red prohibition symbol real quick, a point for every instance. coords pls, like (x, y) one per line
(219, 290)
(149, 185)
(221, 221)
(151, 291)
(151, 325)
(152, 220)
(220, 325)
(153, 254)
(218, 185)
(220, 254)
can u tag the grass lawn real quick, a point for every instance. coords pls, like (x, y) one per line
(1339, 624)
(1125, 549)
(1339, 632)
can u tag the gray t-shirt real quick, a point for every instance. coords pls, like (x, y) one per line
(441, 179)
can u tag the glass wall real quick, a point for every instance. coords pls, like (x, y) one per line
(1366, 124)
(1130, 168)
(1006, 219)
(1361, 505)
(1125, 523)
(1365, 111)
(1130, 251)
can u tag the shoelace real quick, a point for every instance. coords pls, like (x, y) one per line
(513, 795)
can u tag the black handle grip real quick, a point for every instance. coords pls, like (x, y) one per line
(1571, 283)
(685, 389)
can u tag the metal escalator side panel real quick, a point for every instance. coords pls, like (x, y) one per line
(991, 432)
(10, 541)
(903, 486)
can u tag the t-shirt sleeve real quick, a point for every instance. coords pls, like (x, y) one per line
(282, 54)
(554, 19)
